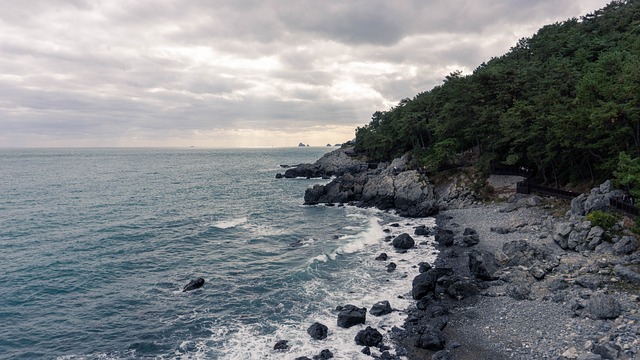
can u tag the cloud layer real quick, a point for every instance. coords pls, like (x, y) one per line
(237, 73)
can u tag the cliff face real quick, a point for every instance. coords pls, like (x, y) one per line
(388, 186)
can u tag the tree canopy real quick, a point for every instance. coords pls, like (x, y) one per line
(564, 102)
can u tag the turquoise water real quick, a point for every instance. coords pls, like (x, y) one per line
(96, 245)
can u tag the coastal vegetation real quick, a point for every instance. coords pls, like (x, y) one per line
(564, 103)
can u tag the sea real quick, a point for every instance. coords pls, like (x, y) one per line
(97, 244)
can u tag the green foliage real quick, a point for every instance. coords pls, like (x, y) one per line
(564, 102)
(628, 173)
(602, 219)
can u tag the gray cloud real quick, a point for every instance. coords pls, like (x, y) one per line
(91, 73)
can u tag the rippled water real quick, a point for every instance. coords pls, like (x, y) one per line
(96, 245)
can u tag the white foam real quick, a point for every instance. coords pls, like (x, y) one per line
(363, 284)
(230, 223)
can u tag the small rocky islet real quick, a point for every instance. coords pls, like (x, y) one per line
(514, 278)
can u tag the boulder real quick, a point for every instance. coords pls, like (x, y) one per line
(351, 315)
(627, 274)
(444, 237)
(422, 230)
(625, 246)
(382, 257)
(482, 264)
(391, 267)
(194, 284)
(426, 282)
(601, 306)
(403, 241)
(324, 355)
(281, 345)
(470, 237)
(381, 308)
(369, 337)
(430, 338)
(318, 331)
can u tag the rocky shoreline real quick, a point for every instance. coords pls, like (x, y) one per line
(513, 280)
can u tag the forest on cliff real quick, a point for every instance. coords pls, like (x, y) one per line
(564, 103)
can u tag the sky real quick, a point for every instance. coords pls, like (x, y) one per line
(237, 73)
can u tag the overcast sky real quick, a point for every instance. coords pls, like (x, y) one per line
(237, 73)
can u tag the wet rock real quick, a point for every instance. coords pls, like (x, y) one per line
(369, 337)
(403, 241)
(318, 331)
(424, 267)
(382, 257)
(324, 354)
(281, 345)
(194, 284)
(422, 230)
(426, 282)
(392, 267)
(351, 315)
(381, 308)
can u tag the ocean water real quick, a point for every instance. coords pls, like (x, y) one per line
(97, 244)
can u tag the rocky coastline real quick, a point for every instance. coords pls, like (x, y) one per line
(521, 278)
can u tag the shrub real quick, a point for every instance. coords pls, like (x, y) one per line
(602, 219)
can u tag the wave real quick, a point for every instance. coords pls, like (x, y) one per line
(230, 223)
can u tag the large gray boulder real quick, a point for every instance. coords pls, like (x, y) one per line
(336, 162)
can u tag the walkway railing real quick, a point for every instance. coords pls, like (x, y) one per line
(527, 187)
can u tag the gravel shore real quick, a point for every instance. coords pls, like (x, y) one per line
(515, 315)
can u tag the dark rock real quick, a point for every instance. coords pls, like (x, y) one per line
(382, 257)
(324, 354)
(502, 230)
(426, 282)
(302, 358)
(403, 241)
(279, 176)
(521, 253)
(381, 308)
(194, 284)
(441, 355)
(606, 352)
(590, 282)
(430, 339)
(424, 267)
(444, 237)
(281, 345)
(366, 350)
(391, 267)
(470, 237)
(369, 337)
(422, 230)
(627, 274)
(463, 289)
(351, 315)
(482, 264)
(602, 306)
(626, 245)
(394, 225)
(318, 331)
(519, 291)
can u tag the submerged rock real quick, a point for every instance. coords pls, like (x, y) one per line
(194, 284)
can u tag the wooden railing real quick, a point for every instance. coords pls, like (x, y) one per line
(527, 187)
(625, 207)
